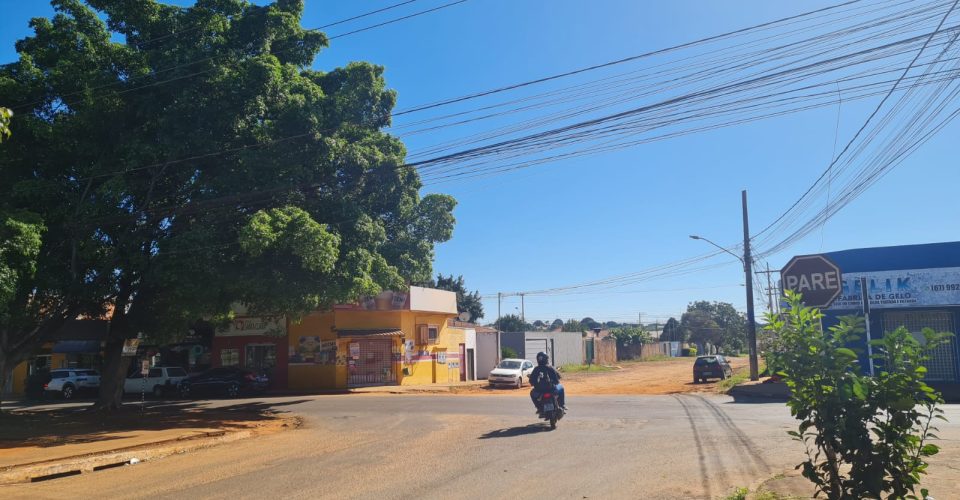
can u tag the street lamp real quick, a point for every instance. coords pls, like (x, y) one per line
(751, 320)
(695, 237)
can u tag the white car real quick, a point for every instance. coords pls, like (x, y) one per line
(511, 372)
(71, 381)
(159, 380)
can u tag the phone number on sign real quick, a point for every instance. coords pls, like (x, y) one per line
(949, 287)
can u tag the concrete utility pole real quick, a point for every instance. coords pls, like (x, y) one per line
(748, 272)
(523, 317)
(499, 349)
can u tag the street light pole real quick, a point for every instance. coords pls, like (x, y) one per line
(747, 262)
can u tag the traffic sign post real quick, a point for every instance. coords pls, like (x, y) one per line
(815, 277)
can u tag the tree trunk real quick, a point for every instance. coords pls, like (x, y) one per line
(113, 376)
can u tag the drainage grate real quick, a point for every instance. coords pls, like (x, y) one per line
(110, 466)
(58, 475)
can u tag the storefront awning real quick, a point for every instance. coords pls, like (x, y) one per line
(389, 332)
(77, 347)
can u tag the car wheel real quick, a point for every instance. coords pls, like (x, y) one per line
(696, 380)
(520, 382)
(158, 391)
(185, 391)
(68, 392)
(233, 390)
(723, 375)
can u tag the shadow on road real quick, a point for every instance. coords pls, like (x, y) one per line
(62, 426)
(516, 431)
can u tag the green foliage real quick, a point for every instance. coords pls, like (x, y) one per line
(170, 194)
(5, 115)
(557, 324)
(573, 326)
(692, 351)
(718, 323)
(590, 323)
(513, 323)
(466, 301)
(584, 368)
(627, 335)
(738, 494)
(508, 352)
(865, 437)
(673, 332)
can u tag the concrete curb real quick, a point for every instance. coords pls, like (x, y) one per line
(757, 391)
(69, 466)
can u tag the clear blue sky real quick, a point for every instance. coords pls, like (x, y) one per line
(588, 218)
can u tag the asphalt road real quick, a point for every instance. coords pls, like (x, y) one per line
(400, 446)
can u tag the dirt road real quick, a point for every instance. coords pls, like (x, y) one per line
(672, 376)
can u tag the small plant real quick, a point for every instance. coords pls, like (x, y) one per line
(738, 494)
(865, 437)
(692, 351)
(508, 352)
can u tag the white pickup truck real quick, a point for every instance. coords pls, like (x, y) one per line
(160, 380)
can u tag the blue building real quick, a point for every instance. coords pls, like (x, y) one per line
(916, 286)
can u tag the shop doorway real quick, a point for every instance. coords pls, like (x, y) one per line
(261, 358)
(370, 363)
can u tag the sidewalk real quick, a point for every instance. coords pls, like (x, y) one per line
(35, 445)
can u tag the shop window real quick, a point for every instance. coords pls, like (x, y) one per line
(229, 357)
(261, 358)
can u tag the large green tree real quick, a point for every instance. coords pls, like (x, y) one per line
(466, 301)
(178, 174)
(5, 115)
(672, 331)
(718, 323)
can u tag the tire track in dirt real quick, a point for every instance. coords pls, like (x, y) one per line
(701, 451)
(750, 449)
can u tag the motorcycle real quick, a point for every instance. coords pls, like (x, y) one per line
(549, 409)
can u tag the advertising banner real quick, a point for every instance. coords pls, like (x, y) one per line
(901, 289)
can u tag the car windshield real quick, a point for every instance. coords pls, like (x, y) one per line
(509, 365)
(176, 372)
(59, 374)
(705, 361)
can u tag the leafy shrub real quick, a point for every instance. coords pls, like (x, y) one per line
(508, 352)
(865, 437)
(692, 351)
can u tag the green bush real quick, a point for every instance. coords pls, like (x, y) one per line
(508, 352)
(692, 351)
(865, 437)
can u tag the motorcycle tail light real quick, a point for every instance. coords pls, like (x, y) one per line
(546, 396)
(251, 377)
(46, 385)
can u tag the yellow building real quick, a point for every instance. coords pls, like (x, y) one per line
(394, 338)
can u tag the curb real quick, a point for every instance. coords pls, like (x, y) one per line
(738, 391)
(71, 466)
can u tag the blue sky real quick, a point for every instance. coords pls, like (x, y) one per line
(596, 216)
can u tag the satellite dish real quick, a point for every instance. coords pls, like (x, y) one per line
(464, 316)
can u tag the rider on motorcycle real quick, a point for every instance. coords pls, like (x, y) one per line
(544, 378)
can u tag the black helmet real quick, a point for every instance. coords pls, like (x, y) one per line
(542, 358)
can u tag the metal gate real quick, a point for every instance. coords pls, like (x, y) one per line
(373, 364)
(942, 363)
(532, 346)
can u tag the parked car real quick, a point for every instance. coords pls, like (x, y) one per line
(715, 366)
(70, 382)
(159, 381)
(224, 381)
(511, 372)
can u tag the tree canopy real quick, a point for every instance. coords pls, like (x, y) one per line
(672, 331)
(513, 323)
(718, 323)
(557, 324)
(573, 326)
(171, 177)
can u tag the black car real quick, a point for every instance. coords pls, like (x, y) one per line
(225, 381)
(711, 367)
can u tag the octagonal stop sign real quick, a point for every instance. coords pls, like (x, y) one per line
(816, 277)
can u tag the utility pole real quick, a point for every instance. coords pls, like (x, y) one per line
(523, 317)
(640, 319)
(748, 272)
(499, 349)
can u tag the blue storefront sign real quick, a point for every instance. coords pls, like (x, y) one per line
(901, 289)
